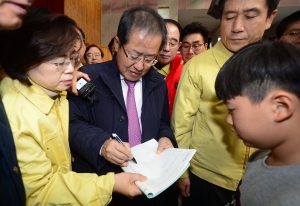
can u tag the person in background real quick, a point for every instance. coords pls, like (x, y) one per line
(111, 47)
(169, 51)
(133, 103)
(11, 185)
(288, 30)
(263, 100)
(80, 47)
(93, 54)
(194, 40)
(39, 60)
(199, 118)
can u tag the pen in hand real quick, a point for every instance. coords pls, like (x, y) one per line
(116, 137)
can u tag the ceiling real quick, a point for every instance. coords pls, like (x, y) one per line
(190, 15)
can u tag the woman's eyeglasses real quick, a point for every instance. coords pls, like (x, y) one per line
(63, 66)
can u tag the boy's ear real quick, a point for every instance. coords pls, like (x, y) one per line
(283, 105)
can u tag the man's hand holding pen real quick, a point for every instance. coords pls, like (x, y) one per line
(116, 153)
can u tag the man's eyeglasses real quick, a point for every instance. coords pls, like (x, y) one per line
(293, 34)
(136, 59)
(195, 47)
(63, 66)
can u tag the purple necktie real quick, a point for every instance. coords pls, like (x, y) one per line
(134, 130)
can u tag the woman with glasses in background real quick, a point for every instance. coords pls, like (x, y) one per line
(39, 60)
(288, 30)
(80, 47)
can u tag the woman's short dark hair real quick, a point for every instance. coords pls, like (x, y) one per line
(88, 48)
(43, 36)
(110, 46)
(285, 23)
(141, 18)
(257, 69)
(82, 33)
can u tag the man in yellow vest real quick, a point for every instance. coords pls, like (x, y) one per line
(199, 118)
(169, 51)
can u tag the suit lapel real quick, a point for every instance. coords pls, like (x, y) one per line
(149, 82)
(111, 77)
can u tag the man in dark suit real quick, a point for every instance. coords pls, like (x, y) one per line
(11, 186)
(141, 35)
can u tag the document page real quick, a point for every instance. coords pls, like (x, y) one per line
(161, 170)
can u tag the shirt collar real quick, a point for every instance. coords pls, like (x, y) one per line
(122, 78)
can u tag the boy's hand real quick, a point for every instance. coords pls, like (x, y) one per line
(124, 184)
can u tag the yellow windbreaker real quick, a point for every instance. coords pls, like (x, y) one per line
(164, 71)
(199, 122)
(40, 129)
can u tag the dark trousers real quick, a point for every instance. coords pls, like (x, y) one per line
(167, 198)
(205, 193)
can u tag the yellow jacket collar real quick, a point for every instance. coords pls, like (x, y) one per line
(221, 53)
(37, 96)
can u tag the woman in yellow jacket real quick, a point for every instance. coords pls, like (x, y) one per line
(39, 60)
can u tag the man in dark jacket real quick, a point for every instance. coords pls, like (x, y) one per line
(11, 186)
(141, 35)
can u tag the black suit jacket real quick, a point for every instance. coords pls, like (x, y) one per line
(11, 185)
(92, 124)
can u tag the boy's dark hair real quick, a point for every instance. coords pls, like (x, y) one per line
(141, 18)
(43, 36)
(172, 21)
(271, 4)
(259, 68)
(88, 48)
(195, 27)
(285, 23)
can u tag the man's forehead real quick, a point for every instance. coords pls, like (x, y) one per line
(145, 40)
(244, 5)
(138, 34)
(192, 37)
(171, 26)
(172, 31)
